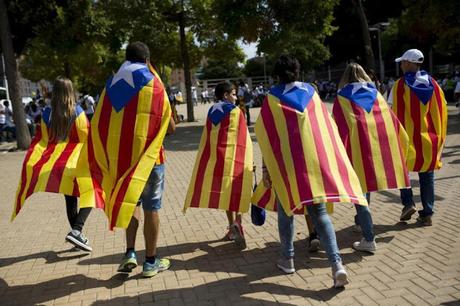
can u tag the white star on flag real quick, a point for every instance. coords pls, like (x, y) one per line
(358, 85)
(291, 85)
(218, 107)
(126, 73)
(421, 79)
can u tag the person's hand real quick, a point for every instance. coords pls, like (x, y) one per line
(266, 178)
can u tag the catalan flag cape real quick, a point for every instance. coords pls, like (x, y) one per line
(265, 198)
(375, 141)
(302, 150)
(50, 165)
(126, 136)
(420, 106)
(222, 176)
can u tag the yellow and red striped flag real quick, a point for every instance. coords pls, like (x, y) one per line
(302, 150)
(50, 166)
(126, 136)
(420, 106)
(265, 198)
(375, 141)
(222, 176)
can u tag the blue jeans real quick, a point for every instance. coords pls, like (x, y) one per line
(363, 218)
(323, 226)
(153, 190)
(426, 180)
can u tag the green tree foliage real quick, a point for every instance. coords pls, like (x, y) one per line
(295, 26)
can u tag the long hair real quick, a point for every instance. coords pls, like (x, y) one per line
(354, 73)
(62, 108)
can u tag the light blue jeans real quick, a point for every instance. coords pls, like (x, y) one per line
(426, 180)
(323, 226)
(363, 218)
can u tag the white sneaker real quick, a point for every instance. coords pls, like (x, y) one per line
(340, 278)
(364, 245)
(286, 264)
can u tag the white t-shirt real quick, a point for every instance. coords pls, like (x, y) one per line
(89, 104)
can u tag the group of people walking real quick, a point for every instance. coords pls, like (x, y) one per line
(310, 158)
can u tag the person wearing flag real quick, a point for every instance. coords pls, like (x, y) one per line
(418, 102)
(375, 142)
(305, 162)
(51, 161)
(222, 176)
(126, 157)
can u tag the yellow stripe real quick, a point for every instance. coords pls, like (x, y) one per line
(309, 149)
(355, 141)
(377, 158)
(409, 126)
(395, 146)
(209, 170)
(281, 128)
(229, 165)
(247, 176)
(270, 160)
(191, 186)
(143, 169)
(322, 116)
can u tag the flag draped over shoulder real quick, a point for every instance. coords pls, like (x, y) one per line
(50, 165)
(420, 106)
(126, 136)
(375, 141)
(264, 197)
(222, 176)
(302, 150)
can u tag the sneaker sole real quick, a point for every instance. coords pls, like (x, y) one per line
(341, 280)
(78, 244)
(155, 272)
(408, 214)
(288, 271)
(314, 246)
(238, 238)
(363, 250)
(128, 267)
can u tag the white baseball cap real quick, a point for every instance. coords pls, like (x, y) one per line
(411, 55)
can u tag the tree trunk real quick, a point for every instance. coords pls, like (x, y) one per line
(186, 62)
(11, 69)
(369, 61)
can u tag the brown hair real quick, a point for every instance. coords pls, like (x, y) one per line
(62, 108)
(354, 73)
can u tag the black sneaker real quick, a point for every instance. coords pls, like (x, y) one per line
(313, 243)
(77, 239)
(407, 212)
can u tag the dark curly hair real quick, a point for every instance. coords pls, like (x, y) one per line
(222, 88)
(287, 69)
(137, 52)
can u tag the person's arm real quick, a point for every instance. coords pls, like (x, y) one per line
(171, 127)
(266, 176)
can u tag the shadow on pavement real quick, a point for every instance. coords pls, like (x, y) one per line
(49, 256)
(185, 138)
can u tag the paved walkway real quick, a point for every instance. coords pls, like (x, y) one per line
(413, 265)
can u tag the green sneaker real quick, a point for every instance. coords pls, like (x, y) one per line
(128, 263)
(161, 264)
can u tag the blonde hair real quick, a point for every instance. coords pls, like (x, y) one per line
(354, 73)
(62, 108)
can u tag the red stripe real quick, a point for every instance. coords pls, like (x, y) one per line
(217, 177)
(417, 135)
(275, 142)
(36, 169)
(400, 148)
(238, 169)
(400, 102)
(366, 148)
(297, 153)
(120, 197)
(436, 139)
(342, 167)
(203, 163)
(156, 112)
(265, 199)
(387, 157)
(35, 141)
(127, 134)
(104, 122)
(344, 132)
(55, 177)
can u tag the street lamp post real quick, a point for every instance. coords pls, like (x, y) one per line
(379, 27)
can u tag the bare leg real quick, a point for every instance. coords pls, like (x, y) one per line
(239, 218)
(230, 217)
(131, 231)
(151, 229)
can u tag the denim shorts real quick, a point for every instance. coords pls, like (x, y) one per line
(153, 190)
